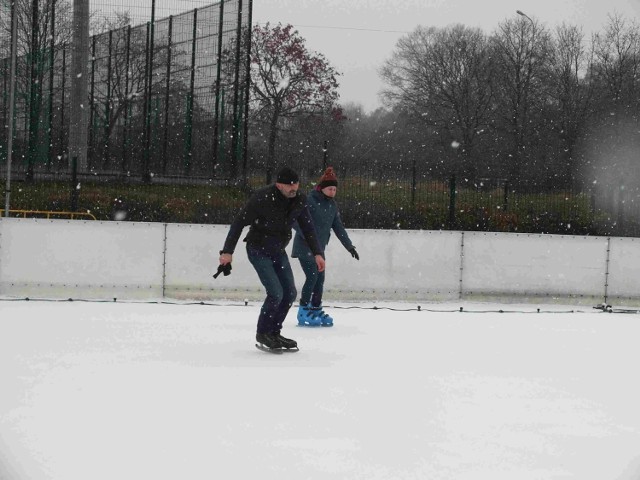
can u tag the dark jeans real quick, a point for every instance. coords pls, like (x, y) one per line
(276, 275)
(314, 282)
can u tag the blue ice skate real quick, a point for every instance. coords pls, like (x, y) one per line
(308, 317)
(325, 319)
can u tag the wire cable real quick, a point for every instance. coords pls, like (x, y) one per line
(603, 308)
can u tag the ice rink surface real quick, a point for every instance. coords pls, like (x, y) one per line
(137, 391)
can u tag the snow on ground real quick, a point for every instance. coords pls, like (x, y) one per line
(161, 391)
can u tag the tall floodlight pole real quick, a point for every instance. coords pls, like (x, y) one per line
(79, 115)
(12, 94)
(147, 113)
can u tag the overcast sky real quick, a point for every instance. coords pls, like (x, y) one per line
(357, 36)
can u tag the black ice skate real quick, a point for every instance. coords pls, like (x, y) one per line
(268, 342)
(288, 344)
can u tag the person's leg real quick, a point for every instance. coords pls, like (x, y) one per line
(288, 289)
(310, 269)
(266, 270)
(316, 296)
(306, 316)
(316, 302)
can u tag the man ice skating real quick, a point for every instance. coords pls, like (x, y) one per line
(326, 217)
(271, 213)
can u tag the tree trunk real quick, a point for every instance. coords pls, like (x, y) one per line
(271, 152)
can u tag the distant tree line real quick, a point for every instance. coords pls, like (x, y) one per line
(524, 103)
(535, 107)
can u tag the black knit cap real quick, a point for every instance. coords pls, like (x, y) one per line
(287, 175)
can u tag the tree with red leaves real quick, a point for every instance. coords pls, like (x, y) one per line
(287, 80)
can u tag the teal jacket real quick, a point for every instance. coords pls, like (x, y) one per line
(326, 217)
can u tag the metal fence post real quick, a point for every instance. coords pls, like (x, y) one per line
(127, 105)
(91, 104)
(247, 96)
(505, 201)
(188, 138)
(52, 49)
(620, 218)
(106, 143)
(452, 201)
(12, 95)
(74, 184)
(235, 127)
(414, 181)
(167, 98)
(61, 146)
(216, 108)
(148, 93)
(34, 97)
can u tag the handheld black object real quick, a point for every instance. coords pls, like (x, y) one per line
(226, 269)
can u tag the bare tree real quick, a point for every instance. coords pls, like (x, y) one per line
(60, 10)
(617, 61)
(287, 81)
(572, 95)
(443, 77)
(522, 49)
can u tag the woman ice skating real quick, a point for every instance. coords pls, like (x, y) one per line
(326, 217)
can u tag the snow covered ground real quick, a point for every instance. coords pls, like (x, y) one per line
(161, 391)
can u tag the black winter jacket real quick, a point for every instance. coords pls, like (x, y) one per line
(271, 217)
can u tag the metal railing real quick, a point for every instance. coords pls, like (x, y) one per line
(47, 214)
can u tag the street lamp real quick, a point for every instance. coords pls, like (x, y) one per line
(522, 14)
(524, 114)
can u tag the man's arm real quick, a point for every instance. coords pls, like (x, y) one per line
(244, 218)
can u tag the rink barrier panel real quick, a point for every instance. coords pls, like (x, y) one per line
(126, 260)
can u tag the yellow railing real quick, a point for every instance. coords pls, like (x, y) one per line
(47, 214)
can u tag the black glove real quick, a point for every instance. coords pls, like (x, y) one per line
(226, 269)
(353, 253)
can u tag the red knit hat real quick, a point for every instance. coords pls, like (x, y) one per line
(328, 179)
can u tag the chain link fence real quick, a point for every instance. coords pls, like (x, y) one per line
(173, 68)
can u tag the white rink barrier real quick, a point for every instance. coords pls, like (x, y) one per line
(122, 260)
